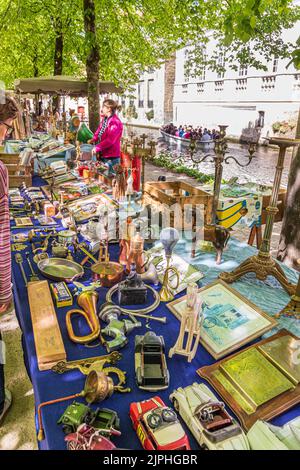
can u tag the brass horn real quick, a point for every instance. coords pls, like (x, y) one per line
(88, 302)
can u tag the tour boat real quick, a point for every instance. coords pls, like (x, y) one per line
(175, 140)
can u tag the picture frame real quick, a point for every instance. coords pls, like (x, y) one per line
(230, 320)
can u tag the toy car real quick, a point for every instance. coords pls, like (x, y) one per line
(157, 426)
(207, 419)
(150, 362)
(88, 438)
(78, 413)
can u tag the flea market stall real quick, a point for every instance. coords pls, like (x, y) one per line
(130, 331)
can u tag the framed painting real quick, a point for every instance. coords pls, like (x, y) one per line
(229, 320)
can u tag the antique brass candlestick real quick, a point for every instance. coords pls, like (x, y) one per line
(292, 309)
(263, 264)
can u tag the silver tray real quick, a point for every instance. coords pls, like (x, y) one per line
(59, 269)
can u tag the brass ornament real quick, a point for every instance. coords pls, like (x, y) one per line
(86, 365)
(263, 264)
(292, 309)
(88, 302)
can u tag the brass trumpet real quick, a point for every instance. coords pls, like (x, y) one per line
(88, 302)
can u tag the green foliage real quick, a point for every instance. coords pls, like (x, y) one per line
(28, 32)
(164, 160)
(150, 114)
(249, 32)
(135, 35)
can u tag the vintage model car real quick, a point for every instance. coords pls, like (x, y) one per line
(157, 426)
(89, 438)
(151, 370)
(207, 419)
(78, 413)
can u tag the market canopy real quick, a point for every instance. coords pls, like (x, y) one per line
(61, 85)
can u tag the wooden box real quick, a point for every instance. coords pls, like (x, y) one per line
(7, 158)
(15, 180)
(47, 336)
(182, 193)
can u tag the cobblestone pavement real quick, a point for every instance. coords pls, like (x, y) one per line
(261, 170)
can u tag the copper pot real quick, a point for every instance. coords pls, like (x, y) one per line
(109, 273)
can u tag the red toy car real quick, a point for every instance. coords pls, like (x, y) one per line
(157, 426)
(88, 438)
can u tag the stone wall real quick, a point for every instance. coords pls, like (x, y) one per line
(170, 73)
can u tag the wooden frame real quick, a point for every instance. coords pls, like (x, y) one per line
(237, 297)
(266, 411)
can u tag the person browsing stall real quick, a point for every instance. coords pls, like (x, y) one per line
(8, 112)
(108, 135)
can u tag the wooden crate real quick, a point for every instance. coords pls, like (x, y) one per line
(179, 192)
(7, 158)
(15, 180)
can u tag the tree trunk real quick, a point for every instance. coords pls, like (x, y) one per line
(289, 245)
(92, 63)
(58, 57)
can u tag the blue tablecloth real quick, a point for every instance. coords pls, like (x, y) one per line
(48, 386)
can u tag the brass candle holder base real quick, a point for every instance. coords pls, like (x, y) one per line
(292, 309)
(262, 267)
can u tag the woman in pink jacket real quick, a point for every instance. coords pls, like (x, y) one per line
(108, 135)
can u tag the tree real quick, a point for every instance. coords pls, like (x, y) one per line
(289, 244)
(242, 28)
(92, 62)
(39, 37)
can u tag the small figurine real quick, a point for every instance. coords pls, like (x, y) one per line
(119, 183)
(191, 323)
(129, 190)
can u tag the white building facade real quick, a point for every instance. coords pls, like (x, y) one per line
(233, 98)
(236, 97)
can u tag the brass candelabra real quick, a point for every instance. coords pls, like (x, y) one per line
(214, 232)
(219, 158)
(263, 264)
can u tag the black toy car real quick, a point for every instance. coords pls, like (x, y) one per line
(150, 362)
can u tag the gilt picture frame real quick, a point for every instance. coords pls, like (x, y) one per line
(229, 322)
